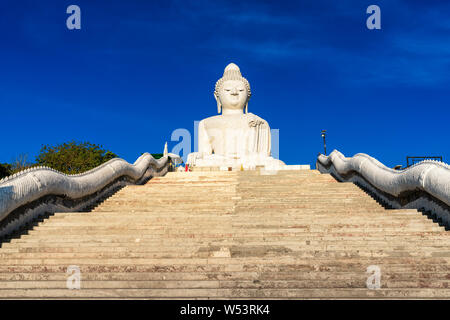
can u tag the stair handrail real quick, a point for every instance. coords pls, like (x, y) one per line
(30, 185)
(429, 177)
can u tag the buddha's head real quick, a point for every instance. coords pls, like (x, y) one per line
(232, 90)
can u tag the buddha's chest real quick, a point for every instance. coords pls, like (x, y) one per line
(232, 135)
(228, 131)
(223, 123)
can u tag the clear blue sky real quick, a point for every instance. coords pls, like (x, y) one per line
(137, 70)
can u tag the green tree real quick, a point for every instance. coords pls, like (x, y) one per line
(5, 170)
(72, 157)
(157, 155)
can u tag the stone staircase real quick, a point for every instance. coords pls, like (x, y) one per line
(239, 234)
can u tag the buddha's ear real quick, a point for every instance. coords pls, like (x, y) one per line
(219, 105)
(246, 107)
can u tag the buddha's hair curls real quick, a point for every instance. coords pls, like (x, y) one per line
(232, 75)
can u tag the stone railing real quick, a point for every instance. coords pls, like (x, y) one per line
(35, 191)
(424, 186)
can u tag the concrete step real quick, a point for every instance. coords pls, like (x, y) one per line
(227, 226)
(359, 262)
(321, 276)
(235, 218)
(262, 215)
(190, 293)
(234, 249)
(316, 267)
(291, 220)
(225, 284)
(158, 241)
(263, 252)
(238, 229)
(316, 244)
(233, 221)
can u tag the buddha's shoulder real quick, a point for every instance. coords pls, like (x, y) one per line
(211, 120)
(253, 117)
(244, 118)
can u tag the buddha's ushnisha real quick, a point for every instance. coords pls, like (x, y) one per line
(235, 137)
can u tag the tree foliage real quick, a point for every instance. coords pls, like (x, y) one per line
(157, 155)
(5, 170)
(19, 164)
(73, 157)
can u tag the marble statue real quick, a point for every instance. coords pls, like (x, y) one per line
(236, 137)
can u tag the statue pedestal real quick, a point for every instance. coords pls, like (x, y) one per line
(247, 162)
(256, 168)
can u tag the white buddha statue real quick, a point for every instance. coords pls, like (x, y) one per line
(235, 137)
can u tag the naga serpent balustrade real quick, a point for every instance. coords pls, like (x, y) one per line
(424, 186)
(35, 191)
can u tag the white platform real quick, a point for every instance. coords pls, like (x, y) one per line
(261, 168)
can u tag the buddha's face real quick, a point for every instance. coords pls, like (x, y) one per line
(233, 94)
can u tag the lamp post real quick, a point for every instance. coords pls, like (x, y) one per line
(324, 142)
